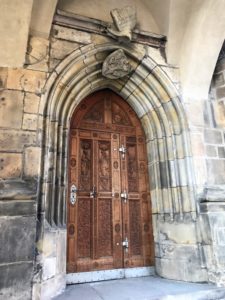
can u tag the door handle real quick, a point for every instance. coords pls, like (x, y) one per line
(73, 194)
(93, 193)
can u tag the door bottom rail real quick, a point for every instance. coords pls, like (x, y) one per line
(82, 277)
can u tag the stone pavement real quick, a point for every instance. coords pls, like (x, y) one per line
(144, 288)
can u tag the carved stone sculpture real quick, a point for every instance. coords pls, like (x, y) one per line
(116, 65)
(124, 20)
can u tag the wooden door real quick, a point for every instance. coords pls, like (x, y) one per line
(109, 214)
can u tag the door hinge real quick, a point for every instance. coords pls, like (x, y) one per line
(124, 196)
(122, 150)
(125, 244)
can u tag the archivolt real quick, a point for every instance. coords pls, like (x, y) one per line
(156, 102)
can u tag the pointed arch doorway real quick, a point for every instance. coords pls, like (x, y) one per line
(109, 227)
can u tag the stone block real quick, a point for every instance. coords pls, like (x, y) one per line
(213, 136)
(49, 244)
(26, 80)
(200, 170)
(61, 252)
(220, 92)
(197, 144)
(195, 112)
(211, 151)
(37, 54)
(31, 103)
(15, 140)
(30, 121)
(49, 268)
(176, 232)
(3, 77)
(181, 270)
(16, 280)
(219, 113)
(32, 161)
(11, 109)
(221, 152)
(52, 286)
(72, 35)
(17, 208)
(17, 234)
(215, 171)
(10, 165)
(218, 79)
(61, 48)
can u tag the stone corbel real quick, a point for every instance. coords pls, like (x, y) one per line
(124, 21)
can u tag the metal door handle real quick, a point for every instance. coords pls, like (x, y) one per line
(73, 194)
(93, 193)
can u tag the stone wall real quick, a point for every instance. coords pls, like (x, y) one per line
(20, 157)
(212, 203)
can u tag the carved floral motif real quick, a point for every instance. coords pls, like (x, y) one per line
(116, 65)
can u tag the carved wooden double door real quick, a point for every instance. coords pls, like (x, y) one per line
(109, 213)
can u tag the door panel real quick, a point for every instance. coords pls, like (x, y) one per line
(109, 225)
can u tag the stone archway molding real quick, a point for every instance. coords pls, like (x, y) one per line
(155, 100)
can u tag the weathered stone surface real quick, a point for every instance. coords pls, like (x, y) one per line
(182, 270)
(37, 54)
(18, 189)
(26, 80)
(11, 108)
(220, 66)
(30, 121)
(220, 92)
(218, 79)
(221, 152)
(211, 151)
(17, 208)
(60, 48)
(49, 268)
(72, 35)
(215, 170)
(61, 252)
(219, 113)
(10, 165)
(213, 136)
(52, 286)
(197, 144)
(17, 234)
(15, 140)
(194, 118)
(15, 281)
(3, 77)
(32, 161)
(31, 103)
(124, 20)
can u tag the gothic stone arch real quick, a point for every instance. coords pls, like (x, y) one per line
(156, 102)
